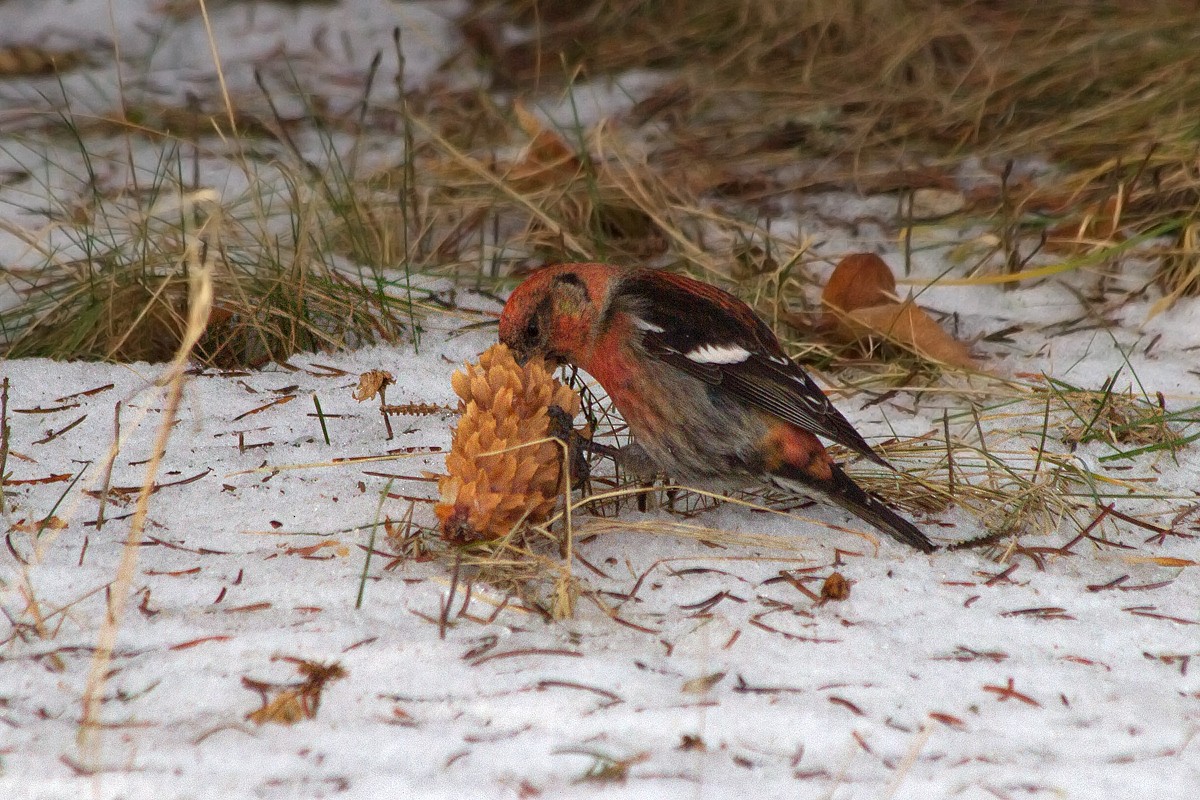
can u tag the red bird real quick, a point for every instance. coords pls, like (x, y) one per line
(702, 382)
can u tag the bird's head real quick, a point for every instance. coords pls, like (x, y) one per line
(553, 313)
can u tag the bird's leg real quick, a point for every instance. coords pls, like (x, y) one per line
(563, 429)
(634, 459)
(600, 449)
(631, 457)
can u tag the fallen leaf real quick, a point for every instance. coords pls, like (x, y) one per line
(947, 719)
(702, 684)
(861, 305)
(313, 549)
(286, 708)
(835, 587)
(21, 60)
(371, 383)
(547, 160)
(50, 523)
(858, 281)
(1161, 561)
(298, 701)
(907, 325)
(1087, 225)
(893, 180)
(51, 478)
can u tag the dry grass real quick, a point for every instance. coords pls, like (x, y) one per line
(110, 281)
(1083, 83)
(882, 96)
(200, 297)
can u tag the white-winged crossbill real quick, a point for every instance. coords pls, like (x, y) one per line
(704, 385)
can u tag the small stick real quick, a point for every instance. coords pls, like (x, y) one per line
(321, 417)
(444, 616)
(112, 457)
(4, 433)
(383, 409)
(949, 453)
(908, 231)
(362, 581)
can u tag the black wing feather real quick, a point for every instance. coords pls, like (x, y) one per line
(766, 378)
(849, 495)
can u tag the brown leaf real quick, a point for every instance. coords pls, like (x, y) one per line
(1162, 561)
(298, 701)
(907, 325)
(906, 179)
(835, 587)
(702, 684)
(371, 383)
(858, 281)
(286, 708)
(313, 549)
(547, 160)
(20, 60)
(51, 478)
(947, 719)
(1099, 221)
(50, 523)
(861, 305)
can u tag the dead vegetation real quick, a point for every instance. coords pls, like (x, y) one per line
(758, 102)
(888, 95)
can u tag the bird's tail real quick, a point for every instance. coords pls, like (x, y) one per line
(848, 494)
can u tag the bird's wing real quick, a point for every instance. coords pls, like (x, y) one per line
(716, 338)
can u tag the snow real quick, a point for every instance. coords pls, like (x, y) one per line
(815, 700)
(947, 675)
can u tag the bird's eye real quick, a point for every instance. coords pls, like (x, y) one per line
(533, 329)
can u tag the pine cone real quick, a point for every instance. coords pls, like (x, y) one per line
(503, 406)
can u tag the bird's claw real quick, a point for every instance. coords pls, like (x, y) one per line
(562, 428)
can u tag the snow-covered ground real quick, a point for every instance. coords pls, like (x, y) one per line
(947, 675)
(943, 675)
